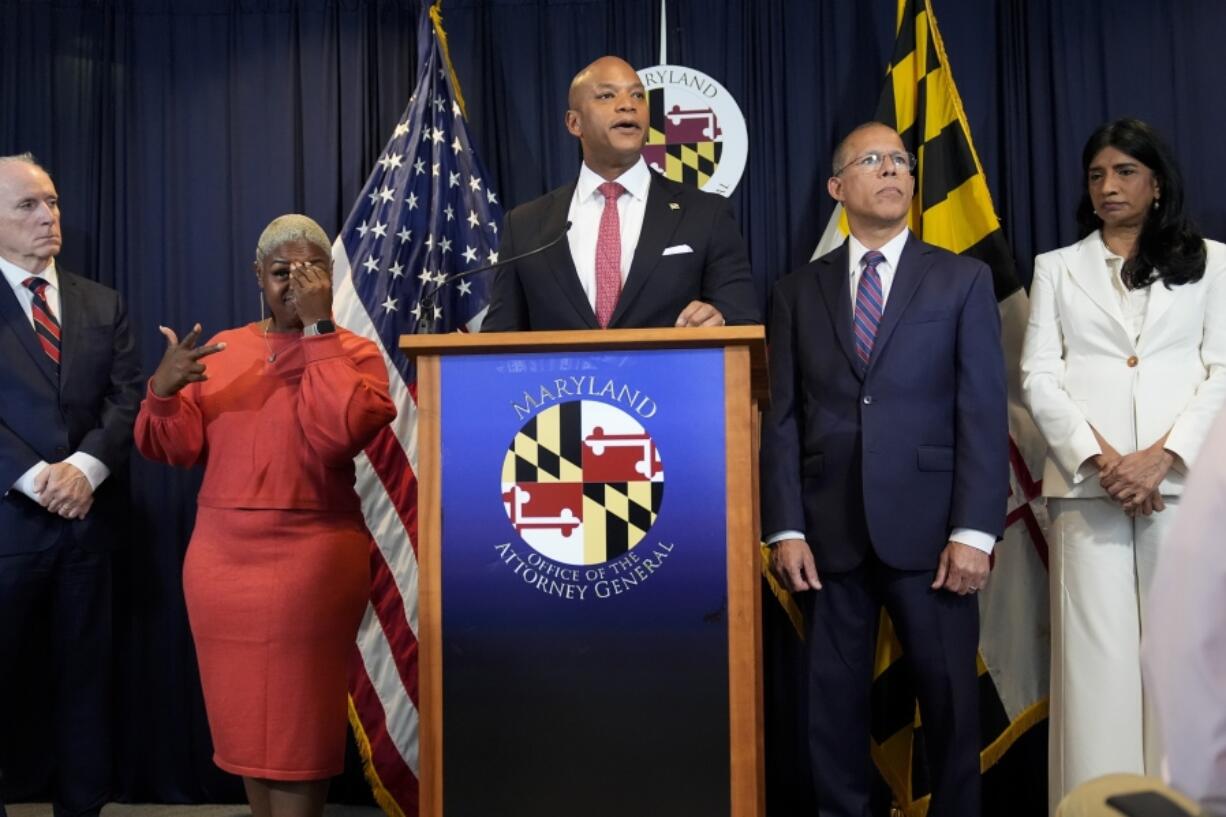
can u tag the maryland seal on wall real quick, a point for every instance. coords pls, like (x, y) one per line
(697, 132)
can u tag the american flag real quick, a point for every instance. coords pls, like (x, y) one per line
(427, 211)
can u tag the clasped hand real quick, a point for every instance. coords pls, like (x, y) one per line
(62, 489)
(181, 362)
(1132, 480)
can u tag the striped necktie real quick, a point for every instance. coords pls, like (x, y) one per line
(46, 327)
(870, 303)
(608, 254)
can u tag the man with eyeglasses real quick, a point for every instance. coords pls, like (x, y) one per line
(885, 473)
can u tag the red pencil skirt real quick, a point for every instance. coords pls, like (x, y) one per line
(275, 598)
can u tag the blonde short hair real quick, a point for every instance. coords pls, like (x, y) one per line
(291, 227)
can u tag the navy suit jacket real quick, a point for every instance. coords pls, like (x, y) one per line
(90, 407)
(896, 454)
(543, 292)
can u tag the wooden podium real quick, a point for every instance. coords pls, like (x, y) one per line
(589, 621)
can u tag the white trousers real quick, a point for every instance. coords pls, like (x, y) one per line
(1102, 563)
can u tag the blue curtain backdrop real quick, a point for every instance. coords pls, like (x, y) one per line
(176, 130)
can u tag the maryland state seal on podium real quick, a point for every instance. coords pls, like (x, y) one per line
(582, 482)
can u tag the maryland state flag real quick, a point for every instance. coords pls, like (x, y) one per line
(953, 209)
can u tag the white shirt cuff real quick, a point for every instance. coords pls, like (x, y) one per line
(974, 538)
(93, 468)
(25, 483)
(776, 538)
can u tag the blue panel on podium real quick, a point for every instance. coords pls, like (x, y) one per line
(584, 589)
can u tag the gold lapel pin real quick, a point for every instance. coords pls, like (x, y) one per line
(672, 205)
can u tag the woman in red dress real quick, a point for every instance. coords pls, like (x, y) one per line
(277, 574)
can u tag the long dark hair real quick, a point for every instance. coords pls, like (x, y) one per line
(1170, 248)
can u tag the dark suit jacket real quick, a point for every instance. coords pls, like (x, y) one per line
(894, 455)
(543, 292)
(90, 408)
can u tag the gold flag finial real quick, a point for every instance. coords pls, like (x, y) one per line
(436, 17)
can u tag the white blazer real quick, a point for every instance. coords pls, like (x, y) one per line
(1080, 366)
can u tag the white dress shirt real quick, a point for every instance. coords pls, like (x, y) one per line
(93, 468)
(892, 250)
(586, 208)
(16, 277)
(1133, 302)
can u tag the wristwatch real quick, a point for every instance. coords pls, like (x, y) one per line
(318, 328)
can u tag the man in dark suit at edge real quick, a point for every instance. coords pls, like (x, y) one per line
(70, 384)
(666, 254)
(885, 473)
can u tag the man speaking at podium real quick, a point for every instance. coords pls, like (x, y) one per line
(664, 253)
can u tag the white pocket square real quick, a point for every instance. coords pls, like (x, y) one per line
(677, 249)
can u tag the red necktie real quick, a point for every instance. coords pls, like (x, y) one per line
(46, 327)
(608, 254)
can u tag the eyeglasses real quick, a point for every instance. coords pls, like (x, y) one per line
(869, 162)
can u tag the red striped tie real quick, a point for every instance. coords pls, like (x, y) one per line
(608, 254)
(46, 327)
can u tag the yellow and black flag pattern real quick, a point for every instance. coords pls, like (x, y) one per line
(952, 209)
(547, 449)
(682, 144)
(617, 515)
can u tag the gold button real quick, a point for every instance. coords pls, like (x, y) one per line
(1132, 361)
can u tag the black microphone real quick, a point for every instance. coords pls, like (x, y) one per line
(425, 324)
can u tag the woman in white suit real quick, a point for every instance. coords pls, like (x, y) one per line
(1123, 369)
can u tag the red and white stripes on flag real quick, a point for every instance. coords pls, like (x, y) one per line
(427, 212)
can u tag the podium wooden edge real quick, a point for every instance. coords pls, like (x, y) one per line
(746, 744)
(752, 338)
(429, 588)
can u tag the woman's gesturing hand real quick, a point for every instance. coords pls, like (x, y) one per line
(181, 362)
(312, 290)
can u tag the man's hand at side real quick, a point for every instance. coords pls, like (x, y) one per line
(962, 569)
(792, 563)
